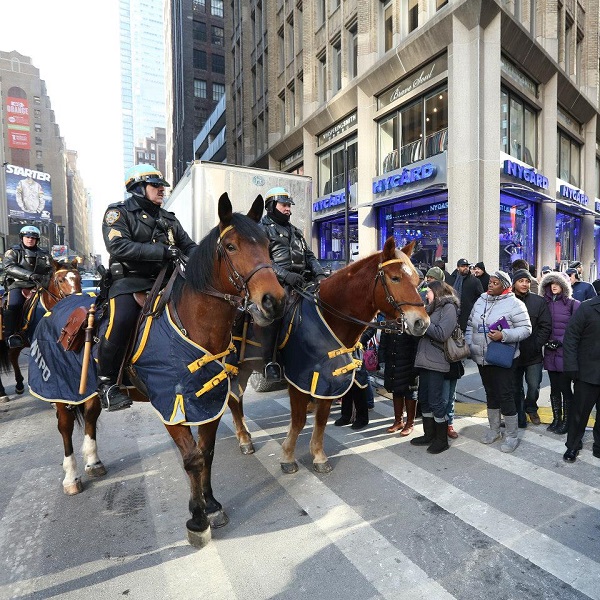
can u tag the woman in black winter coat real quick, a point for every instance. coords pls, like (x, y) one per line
(398, 352)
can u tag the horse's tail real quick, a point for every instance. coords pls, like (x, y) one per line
(5, 365)
(79, 412)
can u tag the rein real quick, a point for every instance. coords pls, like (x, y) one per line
(388, 326)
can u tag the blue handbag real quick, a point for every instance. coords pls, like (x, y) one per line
(500, 355)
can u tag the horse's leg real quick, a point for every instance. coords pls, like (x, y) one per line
(206, 443)
(198, 527)
(66, 421)
(93, 465)
(237, 412)
(298, 404)
(14, 361)
(320, 462)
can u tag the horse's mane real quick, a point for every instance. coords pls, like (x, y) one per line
(199, 269)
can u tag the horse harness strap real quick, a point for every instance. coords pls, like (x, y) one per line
(388, 295)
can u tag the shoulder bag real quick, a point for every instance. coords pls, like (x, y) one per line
(500, 354)
(455, 347)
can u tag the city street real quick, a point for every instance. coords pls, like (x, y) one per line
(390, 521)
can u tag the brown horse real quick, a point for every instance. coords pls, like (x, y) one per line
(64, 281)
(383, 282)
(233, 259)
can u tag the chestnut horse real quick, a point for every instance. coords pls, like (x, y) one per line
(384, 282)
(230, 267)
(64, 281)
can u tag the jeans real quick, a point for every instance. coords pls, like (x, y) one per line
(431, 397)
(527, 403)
(449, 392)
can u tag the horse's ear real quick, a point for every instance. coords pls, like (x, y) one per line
(408, 249)
(74, 264)
(389, 250)
(225, 209)
(256, 210)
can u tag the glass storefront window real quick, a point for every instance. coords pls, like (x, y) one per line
(517, 231)
(436, 123)
(518, 123)
(332, 242)
(594, 272)
(504, 122)
(412, 133)
(516, 129)
(324, 174)
(331, 167)
(388, 144)
(422, 219)
(337, 169)
(568, 237)
(569, 160)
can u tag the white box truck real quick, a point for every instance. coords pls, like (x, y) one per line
(195, 198)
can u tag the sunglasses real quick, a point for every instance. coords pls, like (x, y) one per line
(156, 185)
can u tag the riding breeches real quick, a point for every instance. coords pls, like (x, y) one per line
(122, 317)
(13, 311)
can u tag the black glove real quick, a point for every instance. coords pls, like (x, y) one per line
(172, 253)
(35, 277)
(320, 277)
(294, 279)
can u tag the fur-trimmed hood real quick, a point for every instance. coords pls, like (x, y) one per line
(559, 278)
(451, 298)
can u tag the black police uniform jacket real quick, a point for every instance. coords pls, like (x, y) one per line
(289, 250)
(137, 241)
(20, 262)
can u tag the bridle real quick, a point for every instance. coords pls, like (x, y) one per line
(54, 280)
(239, 282)
(388, 296)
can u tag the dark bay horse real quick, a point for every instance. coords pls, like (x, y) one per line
(230, 266)
(64, 281)
(384, 282)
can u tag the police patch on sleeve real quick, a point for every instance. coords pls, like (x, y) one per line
(111, 216)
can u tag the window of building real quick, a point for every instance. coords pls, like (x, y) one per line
(322, 78)
(532, 16)
(281, 49)
(337, 67)
(199, 31)
(569, 47)
(218, 36)
(218, 64)
(598, 183)
(152, 156)
(37, 113)
(282, 119)
(200, 59)
(38, 154)
(216, 8)
(37, 127)
(39, 167)
(569, 159)
(300, 85)
(579, 60)
(388, 26)
(353, 52)
(413, 15)
(38, 141)
(289, 35)
(321, 12)
(199, 4)
(440, 4)
(436, 123)
(218, 91)
(518, 128)
(291, 94)
(199, 88)
(331, 168)
(36, 100)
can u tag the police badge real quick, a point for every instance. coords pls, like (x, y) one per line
(111, 216)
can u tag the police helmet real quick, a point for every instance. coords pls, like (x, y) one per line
(143, 174)
(278, 194)
(29, 231)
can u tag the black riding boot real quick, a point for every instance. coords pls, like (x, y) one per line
(429, 433)
(10, 325)
(440, 441)
(563, 427)
(110, 357)
(268, 339)
(555, 403)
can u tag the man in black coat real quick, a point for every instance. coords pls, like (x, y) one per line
(530, 360)
(581, 357)
(468, 288)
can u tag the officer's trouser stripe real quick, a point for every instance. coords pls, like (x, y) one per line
(111, 313)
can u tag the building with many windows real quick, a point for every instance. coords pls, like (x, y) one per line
(152, 150)
(470, 126)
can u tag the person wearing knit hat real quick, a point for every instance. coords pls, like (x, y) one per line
(521, 274)
(434, 274)
(498, 305)
(479, 272)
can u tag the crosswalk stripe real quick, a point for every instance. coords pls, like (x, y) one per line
(568, 565)
(352, 535)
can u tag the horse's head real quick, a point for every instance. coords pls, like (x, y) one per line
(396, 290)
(65, 280)
(244, 265)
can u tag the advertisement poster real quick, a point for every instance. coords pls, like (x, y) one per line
(17, 119)
(28, 193)
(59, 252)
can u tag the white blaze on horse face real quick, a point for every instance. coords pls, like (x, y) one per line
(90, 451)
(71, 279)
(70, 469)
(407, 269)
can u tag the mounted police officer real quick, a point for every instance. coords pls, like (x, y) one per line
(293, 262)
(25, 265)
(139, 236)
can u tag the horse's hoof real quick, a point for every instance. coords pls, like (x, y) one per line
(322, 467)
(5, 398)
(71, 489)
(19, 388)
(95, 470)
(199, 539)
(289, 468)
(244, 448)
(218, 519)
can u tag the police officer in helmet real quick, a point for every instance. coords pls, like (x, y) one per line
(25, 265)
(139, 236)
(293, 262)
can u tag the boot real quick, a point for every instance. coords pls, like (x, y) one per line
(563, 426)
(428, 430)
(110, 357)
(493, 434)
(398, 414)
(411, 409)
(440, 442)
(273, 371)
(556, 404)
(511, 438)
(361, 410)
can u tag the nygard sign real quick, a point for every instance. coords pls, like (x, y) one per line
(407, 176)
(529, 175)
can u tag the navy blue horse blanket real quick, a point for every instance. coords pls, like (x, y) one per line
(186, 384)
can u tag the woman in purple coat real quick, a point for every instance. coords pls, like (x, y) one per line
(556, 290)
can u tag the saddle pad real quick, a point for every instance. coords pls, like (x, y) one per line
(316, 362)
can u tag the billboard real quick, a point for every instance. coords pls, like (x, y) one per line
(28, 193)
(59, 251)
(17, 119)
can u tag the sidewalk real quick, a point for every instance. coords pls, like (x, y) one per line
(470, 395)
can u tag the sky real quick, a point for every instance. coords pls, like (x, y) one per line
(75, 46)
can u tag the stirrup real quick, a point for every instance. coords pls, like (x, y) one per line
(112, 399)
(15, 341)
(273, 371)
